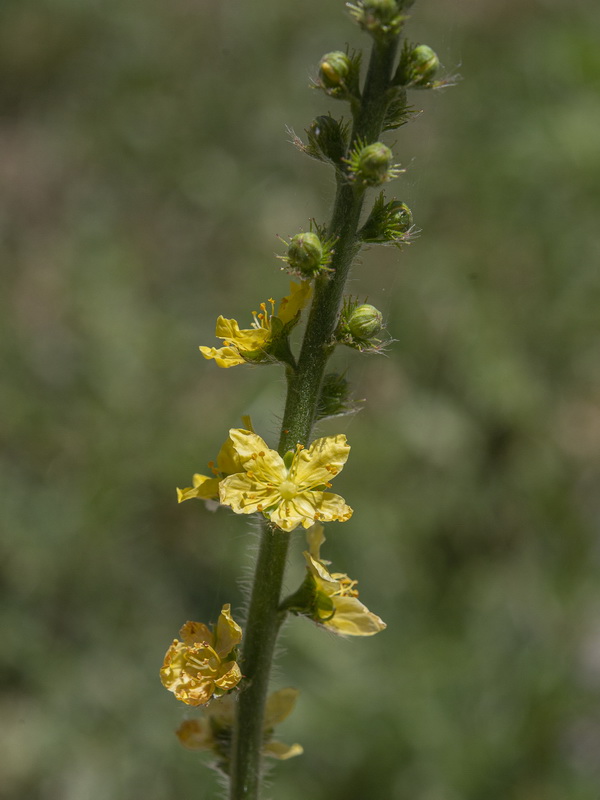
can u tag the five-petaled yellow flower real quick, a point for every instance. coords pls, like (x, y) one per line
(336, 605)
(291, 492)
(251, 344)
(213, 730)
(203, 664)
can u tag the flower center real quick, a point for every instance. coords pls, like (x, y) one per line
(288, 490)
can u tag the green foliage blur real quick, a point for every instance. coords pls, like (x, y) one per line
(146, 171)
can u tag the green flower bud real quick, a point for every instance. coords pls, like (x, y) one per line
(305, 254)
(334, 69)
(373, 163)
(380, 18)
(365, 322)
(423, 64)
(328, 137)
(335, 396)
(401, 218)
(384, 10)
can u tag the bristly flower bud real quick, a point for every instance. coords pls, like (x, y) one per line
(309, 254)
(388, 223)
(418, 66)
(359, 325)
(381, 18)
(365, 322)
(339, 75)
(305, 253)
(327, 139)
(371, 165)
(335, 399)
(333, 69)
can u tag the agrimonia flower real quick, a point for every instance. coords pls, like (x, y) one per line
(258, 343)
(213, 730)
(203, 664)
(289, 491)
(331, 598)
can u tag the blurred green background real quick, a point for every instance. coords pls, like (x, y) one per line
(146, 171)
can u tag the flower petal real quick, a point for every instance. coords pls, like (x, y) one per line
(266, 464)
(325, 581)
(282, 751)
(286, 515)
(327, 507)
(204, 488)
(230, 676)
(279, 706)
(228, 461)
(223, 356)
(247, 339)
(196, 734)
(195, 633)
(244, 495)
(352, 618)
(315, 536)
(322, 461)
(294, 301)
(228, 633)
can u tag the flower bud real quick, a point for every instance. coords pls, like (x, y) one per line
(335, 398)
(305, 254)
(334, 69)
(365, 322)
(401, 218)
(380, 18)
(327, 137)
(373, 163)
(384, 10)
(423, 63)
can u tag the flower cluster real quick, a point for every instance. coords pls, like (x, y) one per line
(203, 665)
(290, 488)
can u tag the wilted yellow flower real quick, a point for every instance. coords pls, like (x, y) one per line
(251, 344)
(213, 730)
(287, 495)
(335, 598)
(205, 487)
(203, 664)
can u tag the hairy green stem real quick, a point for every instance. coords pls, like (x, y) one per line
(304, 384)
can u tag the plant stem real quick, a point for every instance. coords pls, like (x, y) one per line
(304, 384)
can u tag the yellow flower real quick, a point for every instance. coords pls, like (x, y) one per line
(252, 344)
(287, 495)
(213, 730)
(205, 487)
(336, 603)
(203, 664)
